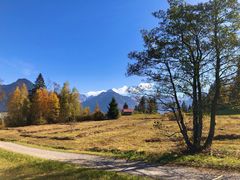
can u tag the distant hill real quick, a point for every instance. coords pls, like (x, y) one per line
(83, 98)
(105, 98)
(9, 89)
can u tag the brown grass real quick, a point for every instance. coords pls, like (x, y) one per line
(135, 133)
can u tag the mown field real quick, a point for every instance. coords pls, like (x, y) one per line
(134, 137)
(16, 166)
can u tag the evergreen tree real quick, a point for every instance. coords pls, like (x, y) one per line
(184, 107)
(113, 112)
(142, 105)
(39, 84)
(125, 106)
(152, 106)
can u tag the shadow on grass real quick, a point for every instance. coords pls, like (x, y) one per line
(160, 159)
(227, 137)
(56, 170)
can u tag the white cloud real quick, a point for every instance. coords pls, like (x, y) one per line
(123, 90)
(145, 86)
(94, 93)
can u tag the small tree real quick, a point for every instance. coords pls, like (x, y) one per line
(184, 107)
(125, 106)
(98, 115)
(113, 111)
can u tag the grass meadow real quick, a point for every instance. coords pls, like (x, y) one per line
(135, 138)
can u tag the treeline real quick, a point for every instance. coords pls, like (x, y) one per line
(147, 105)
(229, 100)
(41, 106)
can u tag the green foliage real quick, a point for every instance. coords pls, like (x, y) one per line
(152, 106)
(39, 84)
(142, 106)
(65, 111)
(113, 111)
(75, 105)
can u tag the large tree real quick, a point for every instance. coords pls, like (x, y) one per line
(65, 110)
(113, 111)
(39, 84)
(193, 46)
(53, 108)
(18, 107)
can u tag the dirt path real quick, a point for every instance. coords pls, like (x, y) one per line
(110, 164)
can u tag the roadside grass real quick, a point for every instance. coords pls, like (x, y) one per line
(17, 166)
(135, 138)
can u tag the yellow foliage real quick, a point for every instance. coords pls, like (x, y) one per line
(54, 107)
(18, 107)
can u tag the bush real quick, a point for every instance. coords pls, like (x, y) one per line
(98, 116)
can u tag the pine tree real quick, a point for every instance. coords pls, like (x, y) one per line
(152, 106)
(125, 106)
(142, 105)
(184, 107)
(113, 112)
(54, 108)
(39, 84)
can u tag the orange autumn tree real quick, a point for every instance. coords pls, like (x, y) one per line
(40, 106)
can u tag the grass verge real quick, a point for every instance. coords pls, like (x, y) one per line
(17, 166)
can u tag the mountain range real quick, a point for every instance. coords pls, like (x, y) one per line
(103, 99)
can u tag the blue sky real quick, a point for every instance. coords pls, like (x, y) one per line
(85, 42)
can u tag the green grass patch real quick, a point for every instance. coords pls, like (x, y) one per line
(17, 166)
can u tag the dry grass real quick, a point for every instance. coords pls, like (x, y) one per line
(134, 135)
